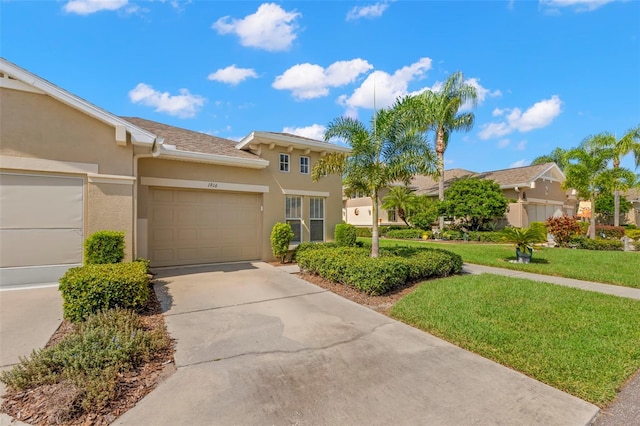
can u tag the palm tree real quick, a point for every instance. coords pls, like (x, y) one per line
(628, 144)
(587, 172)
(438, 111)
(387, 152)
(400, 198)
(557, 156)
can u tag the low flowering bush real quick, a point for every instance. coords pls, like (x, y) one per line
(563, 229)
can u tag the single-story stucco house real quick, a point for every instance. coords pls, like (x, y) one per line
(69, 168)
(536, 192)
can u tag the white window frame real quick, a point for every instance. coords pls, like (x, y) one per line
(304, 165)
(290, 216)
(313, 217)
(285, 162)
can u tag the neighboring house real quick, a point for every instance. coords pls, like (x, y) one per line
(633, 216)
(536, 192)
(69, 168)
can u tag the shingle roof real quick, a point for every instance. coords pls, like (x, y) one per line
(189, 140)
(505, 177)
(291, 135)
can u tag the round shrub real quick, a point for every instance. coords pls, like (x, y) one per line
(281, 236)
(345, 235)
(104, 247)
(91, 288)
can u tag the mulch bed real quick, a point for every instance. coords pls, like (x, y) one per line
(50, 405)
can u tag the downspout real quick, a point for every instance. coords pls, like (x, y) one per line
(155, 152)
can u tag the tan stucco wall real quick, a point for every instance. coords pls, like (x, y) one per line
(110, 207)
(273, 201)
(38, 126)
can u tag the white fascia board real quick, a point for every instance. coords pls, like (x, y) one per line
(138, 136)
(222, 160)
(560, 177)
(284, 140)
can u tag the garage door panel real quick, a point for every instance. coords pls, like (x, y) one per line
(34, 247)
(206, 226)
(162, 195)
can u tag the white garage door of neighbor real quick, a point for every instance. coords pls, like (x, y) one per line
(191, 227)
(41, 227)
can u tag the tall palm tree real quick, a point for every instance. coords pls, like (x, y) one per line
(386, 152)
(439, 111)
(629, 143)
(401, 199)
(557, 156)
(587, 172)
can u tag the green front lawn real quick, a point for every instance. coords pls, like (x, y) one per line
(581, 342)
(611, 267)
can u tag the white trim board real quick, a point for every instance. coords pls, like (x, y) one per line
(113, 179)
(307, 193)
(202, 184)
(44, 165)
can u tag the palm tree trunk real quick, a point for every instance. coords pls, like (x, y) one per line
(440, 148)
(375, 238)
(592, 228)
(616, 208)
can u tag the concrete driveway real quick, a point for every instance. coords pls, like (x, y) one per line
(256, 345)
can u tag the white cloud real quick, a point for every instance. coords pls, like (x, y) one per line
(578, 5)
(503, 143)
(372, 11)
(308, 81)
(521, 146)
(540, 115)
(315, 131)
(385, 87)
(87, 7)
(481, 92)
(232, 75)
(519, 163)
(270, 28)
(184, 105)
(497, 112)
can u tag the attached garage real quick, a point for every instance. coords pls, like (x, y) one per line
(41, 227)
(188, 227)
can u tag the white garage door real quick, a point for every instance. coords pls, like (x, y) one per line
(41, 227)
(191, 227)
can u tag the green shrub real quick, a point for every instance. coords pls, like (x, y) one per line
(104, 247)
(345, 235)
(608, 231)
(539, 225)
(311, 246)
(632, 233)
(91, 288)
(281, 236)
(363, 232)
(405, 234)
(585, 243)
(354, 267)
(91, 357)
(452, 234)
(584, 227)
(485, 236)
(631, 226)
(563, 229)
(636, 245)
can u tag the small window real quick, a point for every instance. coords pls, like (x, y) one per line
(293, 216)
(316, 218)
(391, 215)
(284, 162)
(304, 165)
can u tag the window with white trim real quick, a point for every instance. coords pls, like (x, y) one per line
(304, 165)
(284, 162)
(316, 218)
(293, 216)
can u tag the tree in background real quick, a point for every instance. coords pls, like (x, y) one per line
(558, 156)
(389, 151)
(401, 199)
(474, 201)
(629, 143)
(605, 206)
(439, 111)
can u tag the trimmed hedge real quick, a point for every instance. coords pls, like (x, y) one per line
(405, 234)
(104, 247)
(345, 235)
(632, 233)
(91, 288)
(609, 231)
(354, 267)
(597, 244)
(363, 232)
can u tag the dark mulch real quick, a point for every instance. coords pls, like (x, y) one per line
(50, 405)
(382, 304)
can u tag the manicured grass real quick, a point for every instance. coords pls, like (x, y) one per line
(612, 267)
(581, 342)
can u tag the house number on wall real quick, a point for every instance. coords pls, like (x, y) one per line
(212, 185)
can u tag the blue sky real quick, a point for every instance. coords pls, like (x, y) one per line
(548, 73)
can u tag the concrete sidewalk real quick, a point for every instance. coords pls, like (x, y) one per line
(257, 345)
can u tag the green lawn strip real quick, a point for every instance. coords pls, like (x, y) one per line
(611, 267)
(584, 343)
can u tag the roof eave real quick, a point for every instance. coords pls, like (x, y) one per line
(222, 160)
(284, 140)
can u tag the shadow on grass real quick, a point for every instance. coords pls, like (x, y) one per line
(511, 259)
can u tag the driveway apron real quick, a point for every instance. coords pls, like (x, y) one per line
(256, 345)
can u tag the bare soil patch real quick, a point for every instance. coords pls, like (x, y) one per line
(53, 404)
